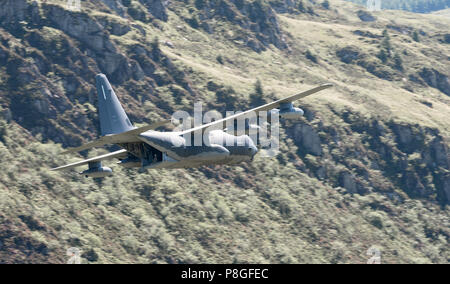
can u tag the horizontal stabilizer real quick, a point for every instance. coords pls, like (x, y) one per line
(117, 154)
(125, 137)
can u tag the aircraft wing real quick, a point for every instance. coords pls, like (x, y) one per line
(118, 154)
(125, 137)
(266, 107)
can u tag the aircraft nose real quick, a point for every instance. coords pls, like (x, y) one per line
(252, 147)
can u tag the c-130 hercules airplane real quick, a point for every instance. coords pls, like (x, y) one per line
(149, 149)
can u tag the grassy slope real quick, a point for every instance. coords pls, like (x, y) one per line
(268, 211)
(279, 215)
(285, 75)
(445, 12)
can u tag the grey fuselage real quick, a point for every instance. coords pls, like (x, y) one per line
(145, 148)
(179, 151)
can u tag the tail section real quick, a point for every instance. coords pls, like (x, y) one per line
(113, 119)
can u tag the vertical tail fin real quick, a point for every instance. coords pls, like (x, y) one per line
(113, 119)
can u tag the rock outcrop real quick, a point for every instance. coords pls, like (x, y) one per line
(308, 139)
(257, 20)
(117, 6)
(157, 8)
(366, 16)
(414, 158)
(436, 80)
(51, 69)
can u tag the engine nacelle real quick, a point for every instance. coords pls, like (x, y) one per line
(294, 113)
(96, 170)
(288, 111)
(213, 152)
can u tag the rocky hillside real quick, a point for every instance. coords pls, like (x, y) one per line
(369, 164)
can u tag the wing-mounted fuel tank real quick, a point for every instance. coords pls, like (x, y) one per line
(96, 170)
(288, 111)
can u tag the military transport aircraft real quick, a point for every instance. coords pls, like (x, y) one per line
(146, 148)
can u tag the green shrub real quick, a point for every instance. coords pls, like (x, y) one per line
(376, 219)
(415, 36)
(219, 59)
(311, 56)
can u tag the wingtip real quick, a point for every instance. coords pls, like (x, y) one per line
(327, 85)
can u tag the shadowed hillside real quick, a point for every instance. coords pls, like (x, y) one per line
(368, 165)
